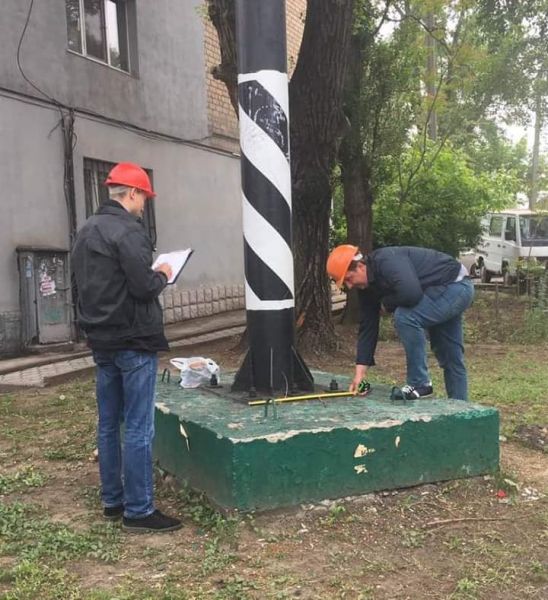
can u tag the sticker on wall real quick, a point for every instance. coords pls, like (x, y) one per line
(47, 285)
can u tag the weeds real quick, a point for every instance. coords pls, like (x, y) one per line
(413, 538)
(235, 587)
(220, 557)
(32, 580)
(215, 558)
(196, 507)
(21, 480)
(466, 588)
(26, 533)
(334, 515)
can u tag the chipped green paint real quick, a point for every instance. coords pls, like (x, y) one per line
(312, 450)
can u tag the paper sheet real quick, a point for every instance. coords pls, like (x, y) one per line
(176, 260)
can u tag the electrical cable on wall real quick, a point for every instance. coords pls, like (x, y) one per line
(66, 121)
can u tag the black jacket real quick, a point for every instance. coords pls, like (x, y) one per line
(117, 289)
(397, 276)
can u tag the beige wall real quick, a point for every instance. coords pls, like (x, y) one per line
(222, 119)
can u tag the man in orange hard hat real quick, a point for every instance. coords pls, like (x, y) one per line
(425, 290)
(119, 310)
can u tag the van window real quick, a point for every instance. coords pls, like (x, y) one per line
(495, 227)
(534, 230)
(510, 231)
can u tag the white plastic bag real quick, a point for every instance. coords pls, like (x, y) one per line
(196, 370)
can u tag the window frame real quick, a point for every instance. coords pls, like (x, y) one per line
(83, 43)
(510, 220)
(95, 193)
(498, 219)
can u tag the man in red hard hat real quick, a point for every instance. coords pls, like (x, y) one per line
(119, 310)
(425, 290)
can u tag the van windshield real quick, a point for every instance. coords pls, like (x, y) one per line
(534, 230)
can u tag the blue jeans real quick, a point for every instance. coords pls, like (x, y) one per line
(440, 312)
(126, 382)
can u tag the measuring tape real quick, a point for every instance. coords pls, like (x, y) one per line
(363, 388)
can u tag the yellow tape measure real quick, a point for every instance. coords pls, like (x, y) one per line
(305, 397)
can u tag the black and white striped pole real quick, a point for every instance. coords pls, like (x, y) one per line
(272, 362)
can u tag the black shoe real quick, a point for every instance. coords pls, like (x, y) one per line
(156, 521)
(408, 392)
(113, 513)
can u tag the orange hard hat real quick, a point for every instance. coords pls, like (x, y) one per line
(339, 260)
(132, 175)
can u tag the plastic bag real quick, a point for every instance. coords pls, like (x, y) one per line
(196, 370)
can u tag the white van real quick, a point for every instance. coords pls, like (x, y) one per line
(508, 236)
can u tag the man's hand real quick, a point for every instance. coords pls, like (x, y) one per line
(361, 372)
(165, 269)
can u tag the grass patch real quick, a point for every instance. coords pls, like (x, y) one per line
(26, 533)
(196, 508)
(58, 426)
(21, 480)
(349, 552)
(33, 580)
(515, 384)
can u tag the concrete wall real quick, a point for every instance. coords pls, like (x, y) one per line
(199, 201)
(169, 92)
(33, 207)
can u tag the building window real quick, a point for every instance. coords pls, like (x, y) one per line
(99, 29)
(95, 173)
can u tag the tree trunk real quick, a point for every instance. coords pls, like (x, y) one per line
(316, 93)
(223, 16)
(355, 173)
(315, 98)
(533, 195)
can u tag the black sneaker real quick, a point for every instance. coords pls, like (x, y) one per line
(113, 513)
(408, 392)
(156, 521)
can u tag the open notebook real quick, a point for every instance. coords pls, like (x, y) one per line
(176, 260)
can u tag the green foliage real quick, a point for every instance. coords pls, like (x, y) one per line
(25, 532)
(215, 558)
(488, 151)
(196, 507)
(21, 480)
(337, 229)
(33, 580)
(412, 538)
(488, 59)
(514, 385)
(336, 512)
(443, 204)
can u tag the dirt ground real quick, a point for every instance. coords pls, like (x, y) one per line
(484, 537)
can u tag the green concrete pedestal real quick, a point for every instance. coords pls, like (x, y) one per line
(308, 451)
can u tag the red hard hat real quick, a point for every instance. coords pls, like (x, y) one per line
(132, 175)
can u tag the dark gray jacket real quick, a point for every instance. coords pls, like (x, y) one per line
(397, 276)
(117, 289)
